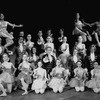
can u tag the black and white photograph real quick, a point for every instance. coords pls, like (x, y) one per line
(49, 50)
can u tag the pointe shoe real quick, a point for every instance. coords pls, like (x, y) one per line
(3, 94)
(24, 93)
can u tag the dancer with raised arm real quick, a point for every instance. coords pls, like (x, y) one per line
(96, 32)
(3, 27)
(79, 30)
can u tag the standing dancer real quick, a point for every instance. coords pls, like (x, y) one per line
(65, 52)
(29, 44)
(24, 76)
(80, 47)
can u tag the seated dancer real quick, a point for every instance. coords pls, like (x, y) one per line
(79, 78)
(40, 75)
(79, 30)
(59, 77)
(94, 83)
(96, 32)
(7, 76)
(3, 29)
(48, 60)
(25, 74)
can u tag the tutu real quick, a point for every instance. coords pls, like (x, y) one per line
(76, 82)
(39, 84)
(93, 83)
(56, 83)
(26, 77)
(6, 77)
(4, 33)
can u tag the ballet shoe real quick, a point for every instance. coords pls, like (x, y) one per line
(24, 93)
(3, 94)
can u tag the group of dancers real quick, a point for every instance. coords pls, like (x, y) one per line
(21, 67)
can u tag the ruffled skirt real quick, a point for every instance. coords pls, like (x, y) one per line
(6, 78)
(93, 83)
(26, 77)
(76, 82)
(56, 83)
(39, 84)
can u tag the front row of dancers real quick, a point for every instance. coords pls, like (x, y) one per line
(41, 78)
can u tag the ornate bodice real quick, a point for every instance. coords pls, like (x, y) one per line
(39, 73)
(58, 72)
(3, 24)
(79, 72)
(7, 67)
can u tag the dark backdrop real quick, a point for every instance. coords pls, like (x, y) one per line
(42, 15)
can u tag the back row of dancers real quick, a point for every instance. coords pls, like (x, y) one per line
(22, 67)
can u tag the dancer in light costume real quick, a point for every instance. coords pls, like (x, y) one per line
(40, 75)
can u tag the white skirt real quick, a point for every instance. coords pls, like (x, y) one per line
(39, 84)
(56, 83)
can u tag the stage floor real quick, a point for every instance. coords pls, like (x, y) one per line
(68, 94)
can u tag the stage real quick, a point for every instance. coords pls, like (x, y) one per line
(68, 94)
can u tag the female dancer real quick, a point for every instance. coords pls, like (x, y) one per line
(65, 52)
(80, 47)
(24, 76)
(3, 29)
(34, 58)
(40, 75)
(59, 77)
(29, 44)
(79, 29)
(96, 33)
(94, 83)
(79, 78)
(7, 76)
(65, 46)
